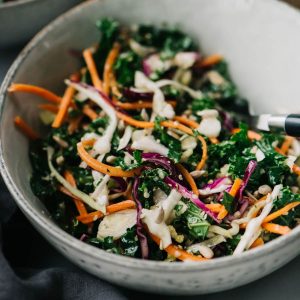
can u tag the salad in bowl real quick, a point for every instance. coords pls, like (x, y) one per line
(148, 153)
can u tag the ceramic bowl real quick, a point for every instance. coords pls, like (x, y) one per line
(261, 41)
(21, 19)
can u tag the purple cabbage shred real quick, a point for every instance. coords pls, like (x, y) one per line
(132, 95)
(189, 195)
(248, 172)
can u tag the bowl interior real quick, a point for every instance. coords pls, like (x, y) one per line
(259, 39)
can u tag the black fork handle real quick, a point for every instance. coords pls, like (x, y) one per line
(289, 124)
(292, 125)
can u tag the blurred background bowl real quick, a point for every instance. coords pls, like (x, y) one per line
(21, 19)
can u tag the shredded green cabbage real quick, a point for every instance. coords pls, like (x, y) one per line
(84, 197)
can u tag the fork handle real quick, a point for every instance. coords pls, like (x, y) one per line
(289, 123)
(292, 125)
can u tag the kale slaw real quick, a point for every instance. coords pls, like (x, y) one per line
(147, 155)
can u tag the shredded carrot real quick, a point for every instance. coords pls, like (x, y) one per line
(233, 191)
(296, 169)
(92, 217)
(281, 212)
(79, 204)
(244, 225)
(223, 213)
(63, 108)
(104, 168)
(186, 121)
(258, 242)
(139, 104)
(177, 252)
(70, 178)
(187, 176)
(214, 207)
(88, 143)
(89, 60)
(114, 86)
(252, 135)
(67, 192)
(74, 124)
(49, 107)
(115, 100)
(275, 228)
(108, 67)
(89, 112)
(262, 198)
(214, 140)
(211, 60)
(286, 144)
(32, 89)
(25, 128)
(134, 105)
(235, 187)
(129, 120)
(278, 150)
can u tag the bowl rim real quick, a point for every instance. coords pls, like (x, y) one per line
(16, 3)
(62, 237)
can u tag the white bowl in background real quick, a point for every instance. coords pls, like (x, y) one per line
(21, 19)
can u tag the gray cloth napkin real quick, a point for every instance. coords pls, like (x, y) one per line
(22, 247)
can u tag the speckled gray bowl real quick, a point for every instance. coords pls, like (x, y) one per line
(260, 40)
(21, 19)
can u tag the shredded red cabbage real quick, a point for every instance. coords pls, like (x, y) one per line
(133, 95)
(215, 183)
(220, 196)
(103, 95)
(139, 226)
(93, 89)
(146, 67)
(244, 205)
(121, 185)
(227, 120)
(189, 195)
(248, 172)
(160, 160)
(83, 237)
